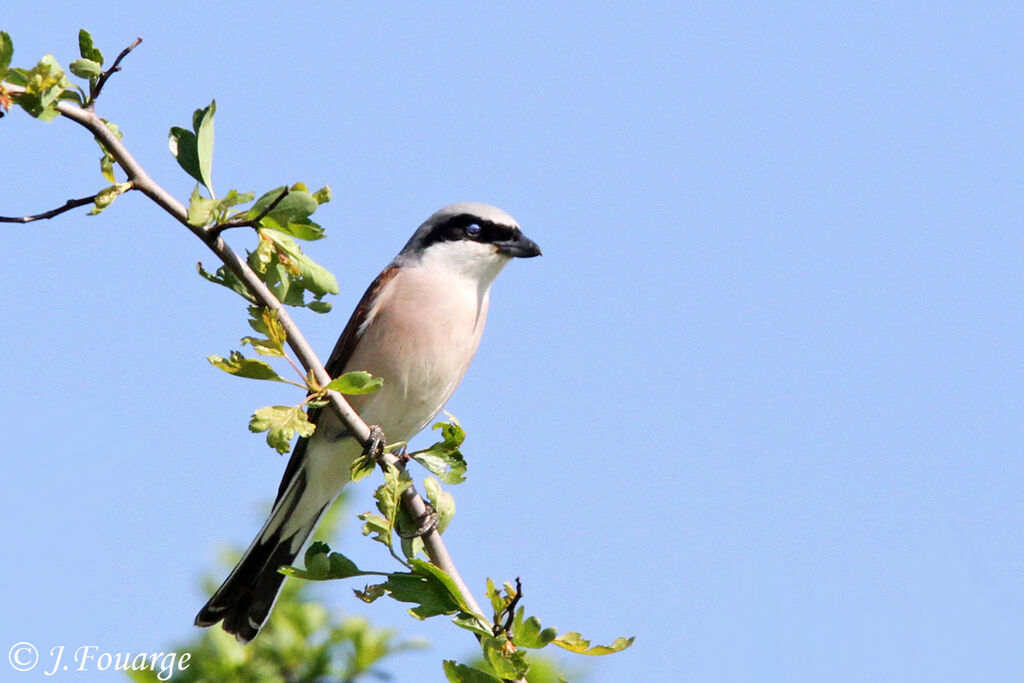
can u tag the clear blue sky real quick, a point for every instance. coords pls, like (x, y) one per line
(759, 404)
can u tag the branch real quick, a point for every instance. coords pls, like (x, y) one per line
(510, 611)
(239, 222)
(68, 205)
(94, 92)
(414, 503)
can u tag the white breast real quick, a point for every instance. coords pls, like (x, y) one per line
(420, 338)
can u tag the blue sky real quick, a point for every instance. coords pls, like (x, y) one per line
(759, 404)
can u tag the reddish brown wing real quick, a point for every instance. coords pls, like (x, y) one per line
(336, 364)
(347, 341)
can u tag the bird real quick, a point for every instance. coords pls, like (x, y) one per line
(417, 328)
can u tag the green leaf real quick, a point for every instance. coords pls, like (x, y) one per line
(234, 198)
(430, 596)
(574, 642)
(263, 257)
(370, 593)
(6, 52)
(323, 565)
(342, 567)
(201, 210)
(319, 306)
(263, 346)
(44, 84)
(442, 502)
(377, 527)
(17, 77)
(227, 278)
(264, 201)
(288, 272)
(107, 167)
(107, 159)
(297, 205)
(388, 496)
(323, 195)
(527, 632)
(85, 68)
(291, 214)
(265, 320)
(507, 661)
(438, 575)
(450, 467)
(182, 144)
(204, 142)
(444, 457)
(308, 231)
(240, 366)
(362, 467)
(317, 564)
(194, 149)
(281, 423)
(73, 94)
(498, 603)
(86, 48)
(106, 197)
(355, 383)
(472, 623)
(460, 673)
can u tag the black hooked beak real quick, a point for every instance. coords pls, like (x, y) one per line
(521, 247)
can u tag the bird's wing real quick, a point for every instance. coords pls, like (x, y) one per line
(336, 365)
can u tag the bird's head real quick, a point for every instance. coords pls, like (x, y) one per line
(470, 238)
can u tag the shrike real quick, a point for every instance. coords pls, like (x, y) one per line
(417, 327)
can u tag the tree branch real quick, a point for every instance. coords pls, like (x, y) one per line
(94, 92)
(510, 611)
(67, 206)
(239, 222)
(414, 503)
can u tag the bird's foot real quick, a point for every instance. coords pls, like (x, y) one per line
(375, 446)
(425, 524)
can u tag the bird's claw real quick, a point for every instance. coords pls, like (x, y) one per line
(375, 445)
(426, 523)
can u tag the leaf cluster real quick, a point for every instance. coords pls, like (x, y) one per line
(422, 584)
(46, 85)
(504, 638)
(283, 423)
(303, 642)
(280, 217)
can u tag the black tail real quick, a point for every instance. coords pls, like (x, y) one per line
(246, 597)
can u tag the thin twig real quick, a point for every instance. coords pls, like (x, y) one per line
(94, 91)
(67, 206)
(510, 611)
(239, 222)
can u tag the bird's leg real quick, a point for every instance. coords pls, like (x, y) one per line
(375, 445)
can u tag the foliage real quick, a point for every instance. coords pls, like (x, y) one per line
(303, 642)
(290, 647)
(504, 636)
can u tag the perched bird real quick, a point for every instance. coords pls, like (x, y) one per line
(417, 327)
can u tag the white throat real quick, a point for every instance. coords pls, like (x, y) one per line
(463, 259)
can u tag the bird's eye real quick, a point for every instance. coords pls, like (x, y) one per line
(473, 230)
